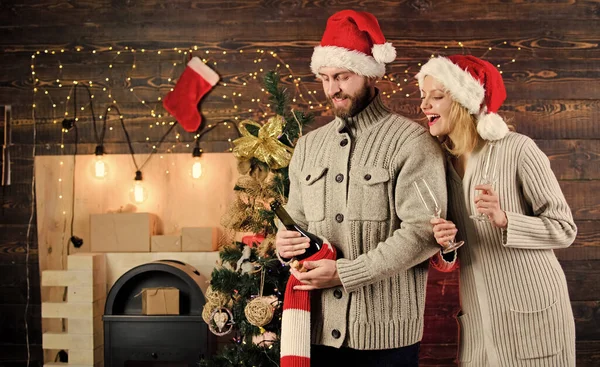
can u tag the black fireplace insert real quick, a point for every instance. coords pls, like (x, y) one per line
(132, 339)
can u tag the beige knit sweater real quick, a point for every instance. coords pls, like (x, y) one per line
(514, 297)
(351, 182)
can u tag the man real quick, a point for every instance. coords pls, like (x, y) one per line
(351, 182)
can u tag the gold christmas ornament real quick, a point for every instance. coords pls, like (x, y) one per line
(240, 216)
(216, 298)
(220, 321)
(259, 311)
(265, 147)
(259, 188)
(244, 214)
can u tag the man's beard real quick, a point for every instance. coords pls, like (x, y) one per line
(357, 103)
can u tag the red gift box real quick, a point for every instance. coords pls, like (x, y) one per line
(253, 240)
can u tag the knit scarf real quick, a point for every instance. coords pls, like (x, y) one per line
(295, 321)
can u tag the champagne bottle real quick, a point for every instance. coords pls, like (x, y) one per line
(315, 242)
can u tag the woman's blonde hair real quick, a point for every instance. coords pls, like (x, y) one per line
(463, 130)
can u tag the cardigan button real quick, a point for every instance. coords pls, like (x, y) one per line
(344, 142)
(307, 177)
(336, 333)
(337, 294)
(367, 177)
(339, 218)
(339, 177)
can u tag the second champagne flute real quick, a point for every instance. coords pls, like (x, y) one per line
(489, 175)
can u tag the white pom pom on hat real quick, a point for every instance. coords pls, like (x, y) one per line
(384, 53)
(491, 126)
(475, 84)
(353, 40)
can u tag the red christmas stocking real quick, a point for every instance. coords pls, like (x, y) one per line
(295, 321)
(182, 102)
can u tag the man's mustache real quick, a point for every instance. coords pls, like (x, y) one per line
(340, 95)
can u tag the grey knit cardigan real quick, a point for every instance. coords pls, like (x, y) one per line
(351, 181)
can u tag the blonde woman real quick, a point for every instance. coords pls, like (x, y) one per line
(514, 299)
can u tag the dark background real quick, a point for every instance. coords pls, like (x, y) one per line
(553, 97)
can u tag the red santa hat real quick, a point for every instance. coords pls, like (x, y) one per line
(475, 84)
(353, 41)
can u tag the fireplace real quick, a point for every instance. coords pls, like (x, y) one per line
(132, 339)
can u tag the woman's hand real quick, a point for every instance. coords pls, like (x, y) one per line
(443, 231)
(488, 203)
(290, 243)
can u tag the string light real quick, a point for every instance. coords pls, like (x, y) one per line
(196, 171)
(239, 94)
(138, 193)
(100, 166)
(397, 86)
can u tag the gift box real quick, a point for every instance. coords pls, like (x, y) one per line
(160, 301)
(165, 244)
(199, 239)
(253, 240)
(122, 232)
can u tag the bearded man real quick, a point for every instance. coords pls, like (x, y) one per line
(351, 182)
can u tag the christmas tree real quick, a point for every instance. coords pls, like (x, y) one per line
(246, 290)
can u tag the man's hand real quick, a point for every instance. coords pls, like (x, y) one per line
(290, 243)
(488, 203)
(443, 231)
(320, 274)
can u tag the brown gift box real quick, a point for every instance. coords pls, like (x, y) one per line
(122, 232)
(199, 239)
(166, 244)
(160, 301)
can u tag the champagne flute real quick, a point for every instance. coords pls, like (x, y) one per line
(430, 202)
(489, 175)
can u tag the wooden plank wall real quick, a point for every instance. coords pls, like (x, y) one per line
(553, 97)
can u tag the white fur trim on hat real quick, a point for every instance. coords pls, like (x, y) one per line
(461, 85)
(339, 57)
(491, 126)
(384, 53)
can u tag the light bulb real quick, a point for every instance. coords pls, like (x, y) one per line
(138, 193)
(196, 171)
(100, 168)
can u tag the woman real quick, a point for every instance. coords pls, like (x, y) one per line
(514, 299)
